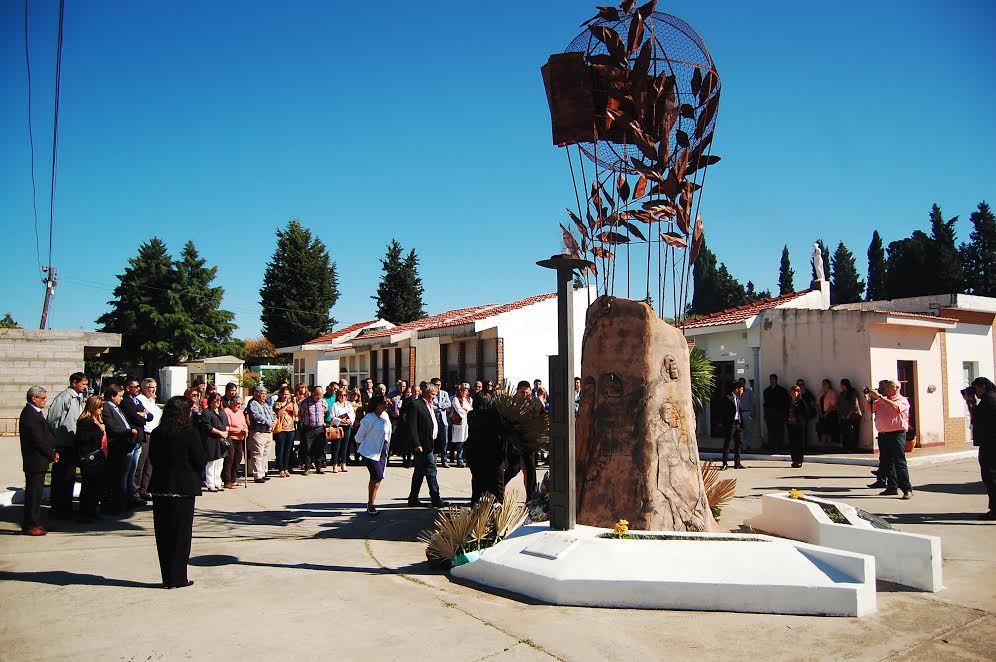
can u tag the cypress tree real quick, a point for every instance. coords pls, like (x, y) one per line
(300, 286)
(399, 295)
(785, 273)
(980, 253)
(946, 273)
(704, 276)
(876, 269)
(826, 261)
(203, 328)
(729, 291)
(145, 311)
(846, 287)
(907, 271)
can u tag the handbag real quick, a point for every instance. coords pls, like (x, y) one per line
(92, 460)
(334, 433)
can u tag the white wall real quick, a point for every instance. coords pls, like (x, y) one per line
(426, 358)
(967, 342)
(326, 368)
(891, 343)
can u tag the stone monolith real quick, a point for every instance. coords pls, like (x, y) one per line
(637, 455)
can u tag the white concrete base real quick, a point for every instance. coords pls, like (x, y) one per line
(760, 574)
(870, 460)
(11, 497)
(910, 559)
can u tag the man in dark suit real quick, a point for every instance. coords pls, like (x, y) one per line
(733, 418)
(120, 443)
(776, 405)
(137, 417)
(426, 432)
(37, 452)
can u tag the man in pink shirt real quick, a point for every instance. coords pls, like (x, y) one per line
(892, 420)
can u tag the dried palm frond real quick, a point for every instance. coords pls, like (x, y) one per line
(507, 518)
(710, 474)
(526, 425)
(718, 491)
(481, 519)
(452, 533)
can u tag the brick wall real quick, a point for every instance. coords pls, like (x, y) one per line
(30, 357)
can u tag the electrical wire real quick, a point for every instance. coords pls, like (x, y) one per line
(31, 138)
(55, 133)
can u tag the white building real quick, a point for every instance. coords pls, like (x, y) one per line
(493, 341)
(217, 370)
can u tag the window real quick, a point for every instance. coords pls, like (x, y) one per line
(298, 376)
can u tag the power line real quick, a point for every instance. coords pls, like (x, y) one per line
(55, 131)
(31, 137)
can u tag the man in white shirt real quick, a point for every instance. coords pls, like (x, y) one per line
(143, 472)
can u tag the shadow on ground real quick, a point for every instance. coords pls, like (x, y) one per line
(64, 578)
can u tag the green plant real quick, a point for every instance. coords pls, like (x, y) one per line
(272, 379)
(249, 380)
(702, 374)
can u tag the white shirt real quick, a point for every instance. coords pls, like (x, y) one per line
(340, 408)
(150, 407)
(435, 423)
(374, 433)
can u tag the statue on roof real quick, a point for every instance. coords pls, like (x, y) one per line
(818, 262)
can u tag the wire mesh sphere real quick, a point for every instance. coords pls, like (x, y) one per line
(678, 51)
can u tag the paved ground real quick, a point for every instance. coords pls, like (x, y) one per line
(295, 569)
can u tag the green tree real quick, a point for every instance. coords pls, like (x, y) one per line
(906, 268)
(946, 274)
(202, 327)
(846, 287)
(876, 269)
(8, 322)
(144, 311)
(300, 286)
(272, 379)
(753, 295)
(704, 274)
(729, 291)
(979, 254)
(399, 295)
(826, 260)
(785, 273)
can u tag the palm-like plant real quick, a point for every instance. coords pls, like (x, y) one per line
(461, 530)
(718, 491)
(702, 374)
(525, 427)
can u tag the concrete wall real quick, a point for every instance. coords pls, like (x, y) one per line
(967, 342)
(30, 357)
(818, 344)
(892, 343)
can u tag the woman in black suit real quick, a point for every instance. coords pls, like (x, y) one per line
(91, 435)
(178, 459)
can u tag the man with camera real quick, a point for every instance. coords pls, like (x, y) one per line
(892, 420)
(984, 434)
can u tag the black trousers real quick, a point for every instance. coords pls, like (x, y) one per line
(173, 518)
(63, 480)
(987, 463)
(312, 447)
(425, 468)
(117, 466)
(797, 439)
(93, 490)
(487, 479)
(522, 462)
(892, 459)
(735, 436)
(776, 431)
(34, 483)
(143, 472)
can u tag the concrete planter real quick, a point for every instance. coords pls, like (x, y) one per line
(467, 557)
(909, 559)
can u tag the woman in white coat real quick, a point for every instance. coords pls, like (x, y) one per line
(374, 445)
(462, 405)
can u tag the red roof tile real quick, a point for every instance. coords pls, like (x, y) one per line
(741, 313)
(459, 316)
(341, 332)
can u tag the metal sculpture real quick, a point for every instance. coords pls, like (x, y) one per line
(637, 94)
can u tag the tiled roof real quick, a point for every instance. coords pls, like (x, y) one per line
(741, 313)
(459, 316)
(341, 332)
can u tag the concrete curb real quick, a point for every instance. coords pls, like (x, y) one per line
(870, 461)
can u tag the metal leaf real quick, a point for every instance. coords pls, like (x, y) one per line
(654, 205)
(681, 137)
(643, 142)
(613, 238)
(642, 63)
(633, 229)
(681, 219)
(698, 231)
(697, 238)
(674, 240)
(645, 170)
(601, 252)
(635, 34)
(603, 59)
(592, 223)
(687, 111)
(696, 81)
(622, 186)
(592, 268)
(608, 196)
(595, 198)
(647, 10)
(701, 162)
(611, 39)
(641, 188)
(577, 221)
(709, 84)
(670, 186)
(627, 6)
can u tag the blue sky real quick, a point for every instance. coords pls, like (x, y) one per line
(218, 122)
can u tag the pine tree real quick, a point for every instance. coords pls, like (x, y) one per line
(785, 273)
(979, 253)
(946, 274)
(399, 295)
(300, 286)
(752, 294)
(876, 269)
(704, 282)
(145, 311)
(729, 291)
(846, 287)
(906, 268)
(8, 322)
(826, 261)
(203, 328)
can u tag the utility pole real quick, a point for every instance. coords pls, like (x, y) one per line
(50, 282)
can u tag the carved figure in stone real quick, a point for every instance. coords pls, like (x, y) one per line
(818, 262)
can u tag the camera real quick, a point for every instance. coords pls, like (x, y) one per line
(866, 390)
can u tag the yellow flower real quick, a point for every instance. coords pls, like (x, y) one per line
(621, 527)
(795, 494)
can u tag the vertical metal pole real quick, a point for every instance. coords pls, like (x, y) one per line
(563, 480)
(50, 282)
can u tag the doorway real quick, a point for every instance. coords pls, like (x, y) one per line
(725, 376)
(906, 376)
(969, 371)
